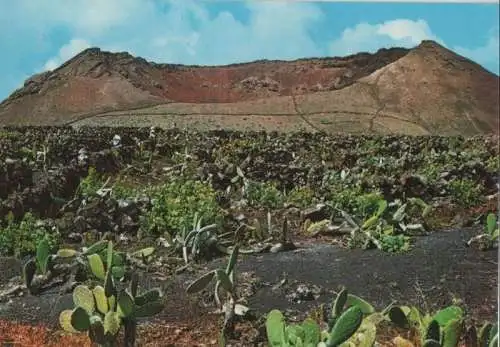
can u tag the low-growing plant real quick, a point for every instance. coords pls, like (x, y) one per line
(91, 183)
(122, 191)
(493, 164)
(465, 192)
(20, 238)
(341, 192)
(489, 238)
(38, 271)
(387, 227)
(431, 171)
(367, 204)
(300, 196)
(444, 328)
(175, 204)
(235, 151)
(395, 243)
(487, 336)
(89, 263)
(104, 309)
(225, 279)
(347, 327)
(198, 242)
(94, 259)
(263, 194)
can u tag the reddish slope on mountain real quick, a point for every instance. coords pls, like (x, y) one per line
(436, 89)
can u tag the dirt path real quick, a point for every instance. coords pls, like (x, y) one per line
(438, 270)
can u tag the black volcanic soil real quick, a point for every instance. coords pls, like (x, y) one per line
(437, 271)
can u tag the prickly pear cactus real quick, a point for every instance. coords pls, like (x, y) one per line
(103, 310)
(345, 326)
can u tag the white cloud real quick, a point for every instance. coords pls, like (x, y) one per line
(404, 29)
(366, 37)
(85, 17)
(407, 33)
(184, 31)
(189, 34)
(488, 54)
(66, 52)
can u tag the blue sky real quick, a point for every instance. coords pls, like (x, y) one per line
(40, 35)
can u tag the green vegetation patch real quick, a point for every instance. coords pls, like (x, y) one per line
(20, 239)
(176, 203)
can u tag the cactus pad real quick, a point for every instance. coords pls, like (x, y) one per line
(145, 252)
(96, 247)
(148, 309)
(345, 326)
(365, 306)
(66, 253)
(109, 285)
(125, 304)
(118, 271)
(151, 295)
(65, 321)
(84, 298)
(97, 266)
(452, 333)
(199, 284)
(100, 299)
(224, 280)
(80, 319)
(111, 323)
(339, 303)
(96, 330)
(275, 328)
(111, 302)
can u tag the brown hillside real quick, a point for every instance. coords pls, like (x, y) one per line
(428, 89)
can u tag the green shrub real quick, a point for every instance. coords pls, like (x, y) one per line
(90, 184)
(300, 196)
(465, 192)
(175, 204)
(122, 191)
(367, 204)
(344, 198)
(354, 200)
(493, 164)
(263, 194)
(20, 239)
(94, 181)
(395, 243)
(431, 171)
